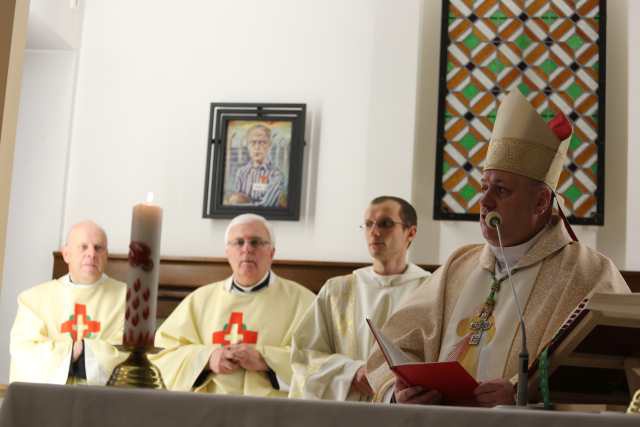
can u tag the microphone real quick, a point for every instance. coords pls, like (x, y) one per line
(494, 220)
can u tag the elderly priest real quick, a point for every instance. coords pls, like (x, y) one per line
(233, 336)
(65, 329)
(468, 312)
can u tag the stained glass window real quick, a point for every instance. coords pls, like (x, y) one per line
(550, 51)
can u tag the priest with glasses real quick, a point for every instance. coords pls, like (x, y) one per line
(233, 336)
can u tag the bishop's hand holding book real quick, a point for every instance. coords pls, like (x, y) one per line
(450, 379)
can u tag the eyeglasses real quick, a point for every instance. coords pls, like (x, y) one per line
(382, 224)
(255, 243)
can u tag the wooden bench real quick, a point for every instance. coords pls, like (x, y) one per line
(180, 276)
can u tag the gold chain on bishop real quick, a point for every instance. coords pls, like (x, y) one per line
(482, 322)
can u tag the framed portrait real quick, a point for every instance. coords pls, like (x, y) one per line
(554, 54)
(254, 160)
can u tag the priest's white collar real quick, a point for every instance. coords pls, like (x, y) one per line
(248, 289)
(411, 272)
(66, 279)
(513, 254)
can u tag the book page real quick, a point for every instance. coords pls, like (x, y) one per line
(394, 355)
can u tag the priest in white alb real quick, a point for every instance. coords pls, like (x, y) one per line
(233, 336)
(333, 341)
(468, 312)
(65, 329)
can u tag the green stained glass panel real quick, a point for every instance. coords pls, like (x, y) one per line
(470, 91)
(468, 192)
(574, 90)
(468, 142)
(523, 41)
(549, 17)
(524, 89)
(498, 18)
(548, 66)
(471, 41)
(573, 193)
(548, 114)
(575, 42)
(575, 143)
(496, 66)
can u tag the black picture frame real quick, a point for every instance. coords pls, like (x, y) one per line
(254, 160)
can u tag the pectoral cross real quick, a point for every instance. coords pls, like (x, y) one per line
(479, 325)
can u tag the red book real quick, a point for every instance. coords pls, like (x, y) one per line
(449, 378)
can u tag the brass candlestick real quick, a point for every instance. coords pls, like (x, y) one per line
(634, 406)
(137, 371)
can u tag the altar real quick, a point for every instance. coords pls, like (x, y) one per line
(51, 405)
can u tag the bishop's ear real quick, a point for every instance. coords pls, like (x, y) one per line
(543, 200)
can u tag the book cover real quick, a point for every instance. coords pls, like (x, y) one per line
(450, 378)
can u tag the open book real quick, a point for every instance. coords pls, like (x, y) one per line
(449, 378)
(594, 356)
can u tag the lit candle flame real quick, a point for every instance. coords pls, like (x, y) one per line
(150, 197)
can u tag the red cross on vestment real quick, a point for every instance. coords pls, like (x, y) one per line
(235, 332)
(80, 323)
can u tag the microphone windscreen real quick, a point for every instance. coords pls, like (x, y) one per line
(493, 219)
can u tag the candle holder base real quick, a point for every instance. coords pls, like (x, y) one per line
(137, 371)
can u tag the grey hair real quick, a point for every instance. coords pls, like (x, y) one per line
(247, 219)
(261, 127)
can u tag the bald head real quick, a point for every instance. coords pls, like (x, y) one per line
(85, 252)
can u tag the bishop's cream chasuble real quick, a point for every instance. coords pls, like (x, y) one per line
(552, 277)
(214, 316)
(485, 320)
(481, 344)
(333, 340)
(55, 314)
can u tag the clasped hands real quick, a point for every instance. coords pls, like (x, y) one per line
(487, 394)
(76, 351)
(232, 357)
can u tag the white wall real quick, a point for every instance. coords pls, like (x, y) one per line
(612, 238)
(145, 85)
(37, 186)
(633, 144)
(54, 24)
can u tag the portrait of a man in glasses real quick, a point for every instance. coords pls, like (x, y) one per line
(332, 343)
(259, 182)
(233, 336)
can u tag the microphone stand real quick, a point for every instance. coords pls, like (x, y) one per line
(523, 370)
(523, 358)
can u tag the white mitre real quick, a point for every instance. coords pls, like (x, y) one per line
(522, 143)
